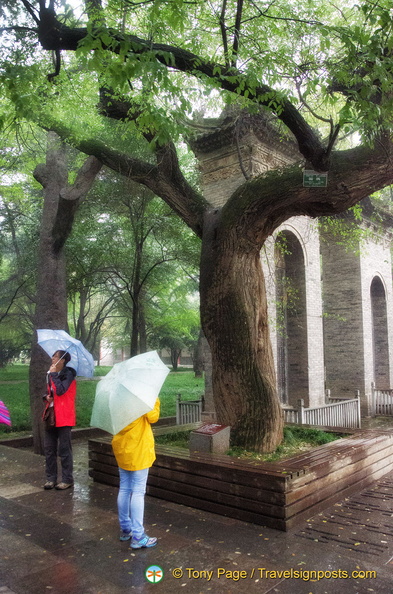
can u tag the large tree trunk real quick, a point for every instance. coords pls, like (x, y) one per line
(60, 204)
(198, 363)
(235, 322)
(51, 299)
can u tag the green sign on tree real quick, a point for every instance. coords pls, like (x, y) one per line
(314, 179)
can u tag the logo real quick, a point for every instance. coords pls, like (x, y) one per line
(154, 574)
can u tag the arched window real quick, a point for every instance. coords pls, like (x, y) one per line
(292, 354)
(380, 334)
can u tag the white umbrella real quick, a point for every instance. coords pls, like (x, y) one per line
(59, 340)
(128, 391)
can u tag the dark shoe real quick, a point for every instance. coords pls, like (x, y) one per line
(125, 535)
(49, 485)
(62, 486)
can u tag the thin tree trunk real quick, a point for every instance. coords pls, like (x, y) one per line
(175, 354)
(81, 332)
(142, 329)
(134, 326)
(235, 322)
(136, 295)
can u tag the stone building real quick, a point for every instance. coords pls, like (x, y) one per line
(330, 307)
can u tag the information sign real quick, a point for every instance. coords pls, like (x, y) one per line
(314, 179)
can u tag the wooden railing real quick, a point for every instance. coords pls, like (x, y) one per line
(345, 413)
(188, 411)
(382, 401)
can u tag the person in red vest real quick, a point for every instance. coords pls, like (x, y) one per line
(57, 440)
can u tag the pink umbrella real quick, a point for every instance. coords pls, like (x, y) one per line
(4, 414)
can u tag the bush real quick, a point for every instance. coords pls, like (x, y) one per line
(296, 439)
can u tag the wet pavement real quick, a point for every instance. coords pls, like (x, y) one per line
(66, 542)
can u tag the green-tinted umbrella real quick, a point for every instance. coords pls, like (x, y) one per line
(128, 391)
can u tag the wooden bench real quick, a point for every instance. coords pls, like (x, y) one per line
(279, 495)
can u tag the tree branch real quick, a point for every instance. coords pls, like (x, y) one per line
(30, 9)
(18, 29)
(236, 36)
(54, 35)
(165, 178)
(70, 199)
(257, 208)
(84, 180)
(223, 29)
(12, 300)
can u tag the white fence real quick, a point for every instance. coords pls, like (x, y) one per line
(344, 413)
(382, 402)
(188, 411)
(341, 412)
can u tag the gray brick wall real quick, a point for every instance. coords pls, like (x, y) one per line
(340, 335)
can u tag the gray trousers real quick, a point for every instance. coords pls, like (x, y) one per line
(57, 442)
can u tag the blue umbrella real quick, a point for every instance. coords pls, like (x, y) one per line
(58, 340)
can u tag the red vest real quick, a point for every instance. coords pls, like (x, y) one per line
(65, 414)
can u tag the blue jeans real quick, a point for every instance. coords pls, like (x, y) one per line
(131, 500)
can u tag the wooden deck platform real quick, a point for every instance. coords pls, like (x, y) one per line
(279, 495)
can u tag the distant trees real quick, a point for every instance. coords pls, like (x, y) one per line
(20, 211)
(126, 255)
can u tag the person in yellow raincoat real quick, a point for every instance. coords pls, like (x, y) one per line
(135, 453)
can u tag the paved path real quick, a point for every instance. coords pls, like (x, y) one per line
(67, 542)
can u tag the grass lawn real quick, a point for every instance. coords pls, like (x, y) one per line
(296, 440)
(16, 395)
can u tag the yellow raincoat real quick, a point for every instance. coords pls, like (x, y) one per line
(134, 445)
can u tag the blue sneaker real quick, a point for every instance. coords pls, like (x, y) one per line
(124, 535)
(144, 542)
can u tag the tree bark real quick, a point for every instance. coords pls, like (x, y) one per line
(235, 323)
(80, 330)
(142, 328)
(136, 298)
(175, 354)
(134, 326)
(198, 363)
(51, 298)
